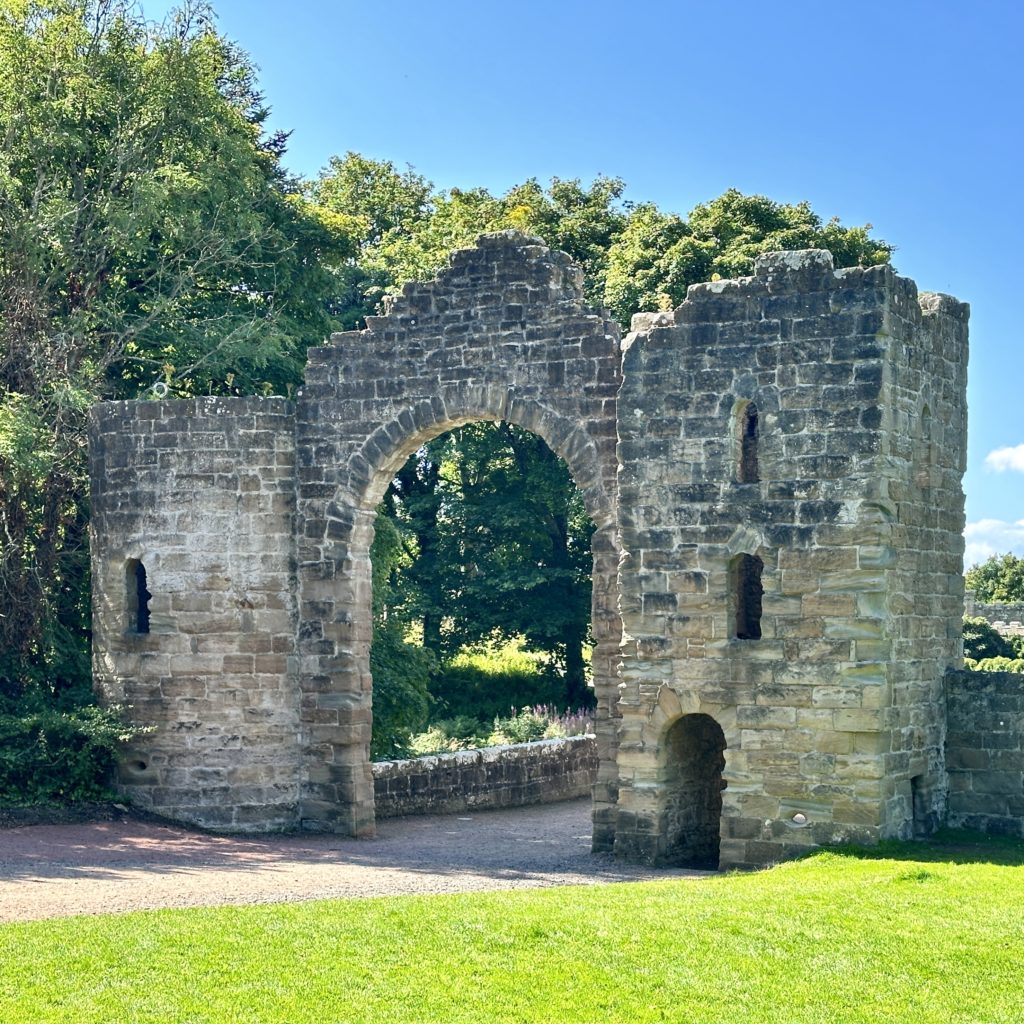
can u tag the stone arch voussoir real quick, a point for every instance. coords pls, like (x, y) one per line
(387, 448)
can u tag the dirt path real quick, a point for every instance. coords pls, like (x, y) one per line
(111, 866)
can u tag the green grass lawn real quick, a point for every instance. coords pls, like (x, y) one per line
(909, 933)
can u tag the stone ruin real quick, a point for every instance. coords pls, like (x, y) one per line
(774, 475)
(1006, 619)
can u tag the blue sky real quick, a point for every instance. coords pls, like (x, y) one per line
(904, 115)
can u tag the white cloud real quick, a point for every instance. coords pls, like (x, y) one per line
(1002, 459)
(988, 537)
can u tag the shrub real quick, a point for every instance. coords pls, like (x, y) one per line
(401, 674)
(541, 722)
(423, 744)
(488, 680)
(528, 725)
(448, 735)
(524, 726)
(996, 665)
(982, 640)
(569, 723)
(462, 727)
(58, 756)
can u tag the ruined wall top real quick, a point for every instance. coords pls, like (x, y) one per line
(501, 333)
(795, 272)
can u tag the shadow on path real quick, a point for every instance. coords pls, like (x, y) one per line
(49, 870)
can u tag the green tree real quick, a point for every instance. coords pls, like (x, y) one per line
(982, 640)
(407, 230)
(658, 255)
(502, 546)
(653, 262)
(147, 231)
(401, 670)
(583, 222)
(634, 256)
(520, 536)
(999, 578)
(384, 209)
(415, 495)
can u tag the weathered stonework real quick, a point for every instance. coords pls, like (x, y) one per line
(202, 493)
(501, 335)
(510, 776)
(856, 516)
(985, 751)
(773, 471)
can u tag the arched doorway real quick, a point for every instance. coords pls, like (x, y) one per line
(500, 335)
(692, 758)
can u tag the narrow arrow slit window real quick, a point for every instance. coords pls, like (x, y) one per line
(747, 470)
(138, 595)
(747, 593)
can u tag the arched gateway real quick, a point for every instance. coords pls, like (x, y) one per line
(254, 518)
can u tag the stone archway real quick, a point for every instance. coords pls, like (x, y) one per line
(501, 334)
(253, 520)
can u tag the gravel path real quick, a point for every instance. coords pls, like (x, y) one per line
(112, 866)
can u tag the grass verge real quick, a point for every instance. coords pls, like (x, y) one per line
(906, 933)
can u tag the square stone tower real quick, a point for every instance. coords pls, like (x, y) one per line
(790, 513)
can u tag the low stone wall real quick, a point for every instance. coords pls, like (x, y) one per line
(985, 751)
(513, 776)
(1007, 619)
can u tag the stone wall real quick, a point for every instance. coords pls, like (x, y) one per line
(513, 776)
(1007, 619)
(921, 465)
(201, 493)
(985, 751)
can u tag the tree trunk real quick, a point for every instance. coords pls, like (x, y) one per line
(577, 693)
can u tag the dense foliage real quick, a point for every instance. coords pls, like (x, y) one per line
(999, 579)
(499, 546)
(982, 640)
(487, 546)
(49, 755)
(488, 680)
(401, 670)
(987, 650)
(634, 256)
(147, 231)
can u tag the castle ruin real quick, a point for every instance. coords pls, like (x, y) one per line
(774, 475)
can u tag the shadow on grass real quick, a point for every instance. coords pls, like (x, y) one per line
(947, 846)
